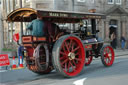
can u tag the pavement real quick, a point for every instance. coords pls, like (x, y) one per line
(118, 53)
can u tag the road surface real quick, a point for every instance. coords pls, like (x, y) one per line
(95, 74)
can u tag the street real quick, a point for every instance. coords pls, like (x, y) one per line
(95, 74)
(65, 36)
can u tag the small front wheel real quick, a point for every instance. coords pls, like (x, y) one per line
(107, 55)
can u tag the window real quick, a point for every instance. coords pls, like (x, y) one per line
(110, 1)
(27, 1)
(118, 2)
(80, 0)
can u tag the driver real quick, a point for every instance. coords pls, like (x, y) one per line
(37, 26)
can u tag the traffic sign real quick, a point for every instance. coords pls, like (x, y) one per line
(4, 60)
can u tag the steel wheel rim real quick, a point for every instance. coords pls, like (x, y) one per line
(108, 55)
(71, 56)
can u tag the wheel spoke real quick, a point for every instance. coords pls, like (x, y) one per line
(65, 66)
(72, 67)
(109, 51)
(62, 58)
(66, 46)
(70, 43)
(77, 53)
(105, 58)
(74, 62)
(72, 47)
(63, 48)
(69, 66)
(75, 49)
(64, 61)
(109, 59)
(78, 59)
(63, 53)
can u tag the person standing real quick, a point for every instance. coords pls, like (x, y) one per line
(113, 40)
(112, 36)
(20, 53)
(123, 42)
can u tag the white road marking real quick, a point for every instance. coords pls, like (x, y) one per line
(80, 82)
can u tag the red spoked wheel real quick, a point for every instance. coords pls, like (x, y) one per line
(89, 58)
(107, 55)
(68, 56)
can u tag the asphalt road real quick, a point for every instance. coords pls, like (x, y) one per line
(95, 74)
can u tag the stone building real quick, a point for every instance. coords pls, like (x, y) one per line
(115, 10)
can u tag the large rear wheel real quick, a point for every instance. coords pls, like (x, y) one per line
(68, 56)
(40, 60)
(107, 55)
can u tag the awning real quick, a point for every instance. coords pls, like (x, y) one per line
(22, 15)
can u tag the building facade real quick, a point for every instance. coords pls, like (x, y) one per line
(115, 10)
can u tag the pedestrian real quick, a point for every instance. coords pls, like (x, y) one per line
(20, 53)
(36, 26)
(113, 40)
(123, 40)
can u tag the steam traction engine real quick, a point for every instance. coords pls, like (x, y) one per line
(70, 50)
